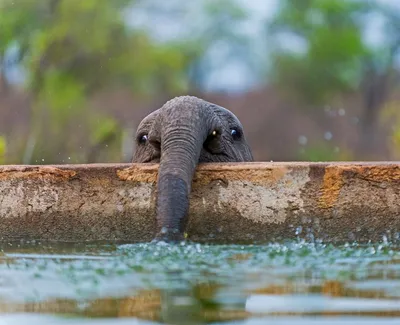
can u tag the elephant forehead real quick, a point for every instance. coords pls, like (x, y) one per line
(227, 115)
(149, 119)
(190, 103)
(185, 106)
(184, 101)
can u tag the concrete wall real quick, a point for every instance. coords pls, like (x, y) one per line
(229, 202)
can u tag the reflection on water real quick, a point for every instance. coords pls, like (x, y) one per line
(200, 284)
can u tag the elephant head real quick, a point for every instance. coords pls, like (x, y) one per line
(182, 133)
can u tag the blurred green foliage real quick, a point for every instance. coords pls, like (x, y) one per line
(331, 33)
(72, 49)
(3, 147)
(391, 115)
(324, 152)
(337, 59)
(85, 45)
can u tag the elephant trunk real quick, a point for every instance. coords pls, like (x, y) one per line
(181, 143)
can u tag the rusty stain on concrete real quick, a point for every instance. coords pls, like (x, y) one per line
(376, 173)
(207, 173)
(332, 184)
(334, 179)
(146, 173)
(47, 172)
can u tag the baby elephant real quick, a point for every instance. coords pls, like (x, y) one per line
(182, 133)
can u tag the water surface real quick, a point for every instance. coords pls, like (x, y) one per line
(285, 283)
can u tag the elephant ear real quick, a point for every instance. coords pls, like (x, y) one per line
(235, 134)
(144, 152)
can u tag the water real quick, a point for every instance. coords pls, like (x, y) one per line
(285, 283)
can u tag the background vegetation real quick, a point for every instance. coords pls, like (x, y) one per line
(76, 77)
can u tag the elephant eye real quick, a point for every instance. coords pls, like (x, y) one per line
(143, 139)
(235, 134)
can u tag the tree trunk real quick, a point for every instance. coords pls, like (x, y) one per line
(374, 92)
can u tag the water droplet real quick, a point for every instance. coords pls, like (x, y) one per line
(182, 301)
(328, 136)
(82, 305)
(302, 140)
(198, 248)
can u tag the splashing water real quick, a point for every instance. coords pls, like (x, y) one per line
(199, 284)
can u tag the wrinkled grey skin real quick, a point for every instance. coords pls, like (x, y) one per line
(182, 133)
